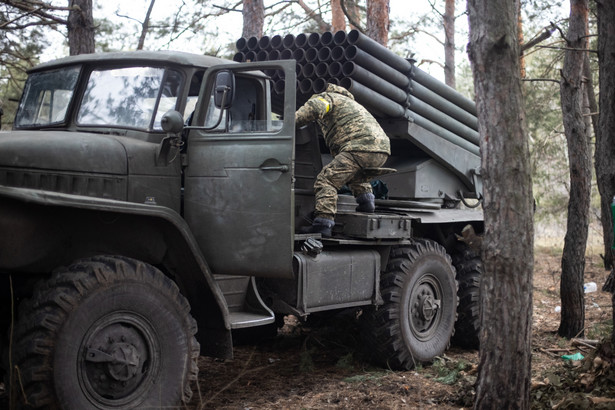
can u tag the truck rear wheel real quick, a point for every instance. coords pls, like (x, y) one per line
(106, 333)
(469, 268)
(417, 320)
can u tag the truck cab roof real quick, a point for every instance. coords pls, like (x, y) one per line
(132, 57)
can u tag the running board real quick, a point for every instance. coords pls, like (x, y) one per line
(246, 308)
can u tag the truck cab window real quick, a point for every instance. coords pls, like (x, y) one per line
(249, 112)
(130, 96)
(46, 97)
(193, 95)
(168, 96)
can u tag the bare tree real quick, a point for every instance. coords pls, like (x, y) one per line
(507, 253)
(378, 20)
(80, 27)
(578, 134)
(253, 18)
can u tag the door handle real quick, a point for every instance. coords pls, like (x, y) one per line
(281, 168)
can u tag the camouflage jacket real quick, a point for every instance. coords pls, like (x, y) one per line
(346, 124)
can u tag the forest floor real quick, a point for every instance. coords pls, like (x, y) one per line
(321, 368)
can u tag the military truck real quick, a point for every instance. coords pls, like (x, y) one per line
(151, 204)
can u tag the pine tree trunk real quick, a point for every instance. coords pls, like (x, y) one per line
(338, 20)
(449, 43)
(253, 18)
(80, 27)
(605, 140)
(579, 157)
(506, 286)
(521, 39)
(378, 20)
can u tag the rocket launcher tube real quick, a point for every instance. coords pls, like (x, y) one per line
(443, 120)
(426, 95)
(386, 56)
(444, 133)
(371, 63)
(376, 83)
(375, 102)
(443, 90)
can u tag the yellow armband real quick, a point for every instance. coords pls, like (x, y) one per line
(327, 105)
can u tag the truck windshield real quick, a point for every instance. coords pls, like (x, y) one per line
(46, 97)
(133, 97)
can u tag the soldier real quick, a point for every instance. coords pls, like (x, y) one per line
(356, 141)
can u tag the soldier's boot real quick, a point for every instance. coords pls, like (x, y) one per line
(366, 203)
(323, 226)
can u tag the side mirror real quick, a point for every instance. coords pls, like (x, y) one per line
(172, 122)
(224, 89)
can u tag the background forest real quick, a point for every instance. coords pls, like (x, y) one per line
(212, 27)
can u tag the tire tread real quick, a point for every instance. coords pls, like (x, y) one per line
(382, 333)
(42, 316)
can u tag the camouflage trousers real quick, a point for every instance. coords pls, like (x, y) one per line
(345, 169)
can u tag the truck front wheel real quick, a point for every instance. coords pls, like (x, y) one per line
(417, 320)
(106, 333)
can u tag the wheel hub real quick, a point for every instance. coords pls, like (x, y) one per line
(117, 359)
(424, 309)
(126, 362)
(429, 307)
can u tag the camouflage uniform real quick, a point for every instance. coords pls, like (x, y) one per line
(355, 139)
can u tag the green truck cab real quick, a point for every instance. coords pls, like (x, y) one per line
(151, 203)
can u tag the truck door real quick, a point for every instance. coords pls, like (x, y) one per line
(238, 197)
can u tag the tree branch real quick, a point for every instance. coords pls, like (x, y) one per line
(350, 18)
(37, 8)
(316, 16)
(548, 31)
(227, 9)
(128, 17)
(414, 31)
(274, 12)
(30, 24)
(278, 3)
(589, 50)
(145, 25)
(425, 61)
(7, 23)
(434, 9)
(531, 80)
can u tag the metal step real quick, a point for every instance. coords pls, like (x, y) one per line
(246, 308)
(241, 320)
